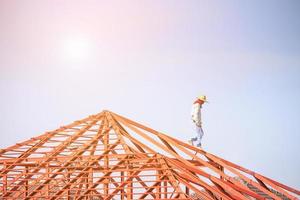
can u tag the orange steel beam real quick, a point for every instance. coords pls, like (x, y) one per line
(162, 135)
(83, 171)
(55, 152)
(107, 156)
(165, 148)
(44, 138)
(74, 157)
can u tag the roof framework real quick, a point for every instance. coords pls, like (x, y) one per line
(107, 156)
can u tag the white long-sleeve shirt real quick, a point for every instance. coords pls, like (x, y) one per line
(196, 113)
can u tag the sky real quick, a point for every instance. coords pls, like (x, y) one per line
(61, 61)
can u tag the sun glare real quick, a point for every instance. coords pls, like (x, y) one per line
(77, 49)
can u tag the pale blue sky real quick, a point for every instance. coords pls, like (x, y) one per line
(148, 60)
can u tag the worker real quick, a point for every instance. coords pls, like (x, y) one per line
(196, 118)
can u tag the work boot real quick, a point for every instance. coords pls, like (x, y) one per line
(194, 139)
(199, 145)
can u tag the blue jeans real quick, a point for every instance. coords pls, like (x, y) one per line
(200, 134)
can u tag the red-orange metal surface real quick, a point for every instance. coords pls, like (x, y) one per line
(107, 156)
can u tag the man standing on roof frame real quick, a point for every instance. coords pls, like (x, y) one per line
(196, 117)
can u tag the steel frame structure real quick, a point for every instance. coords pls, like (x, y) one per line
(107, 156)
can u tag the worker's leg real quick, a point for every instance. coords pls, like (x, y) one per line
(192, 140)
(200, 134)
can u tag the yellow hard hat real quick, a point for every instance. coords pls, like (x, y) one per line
(202, 98)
